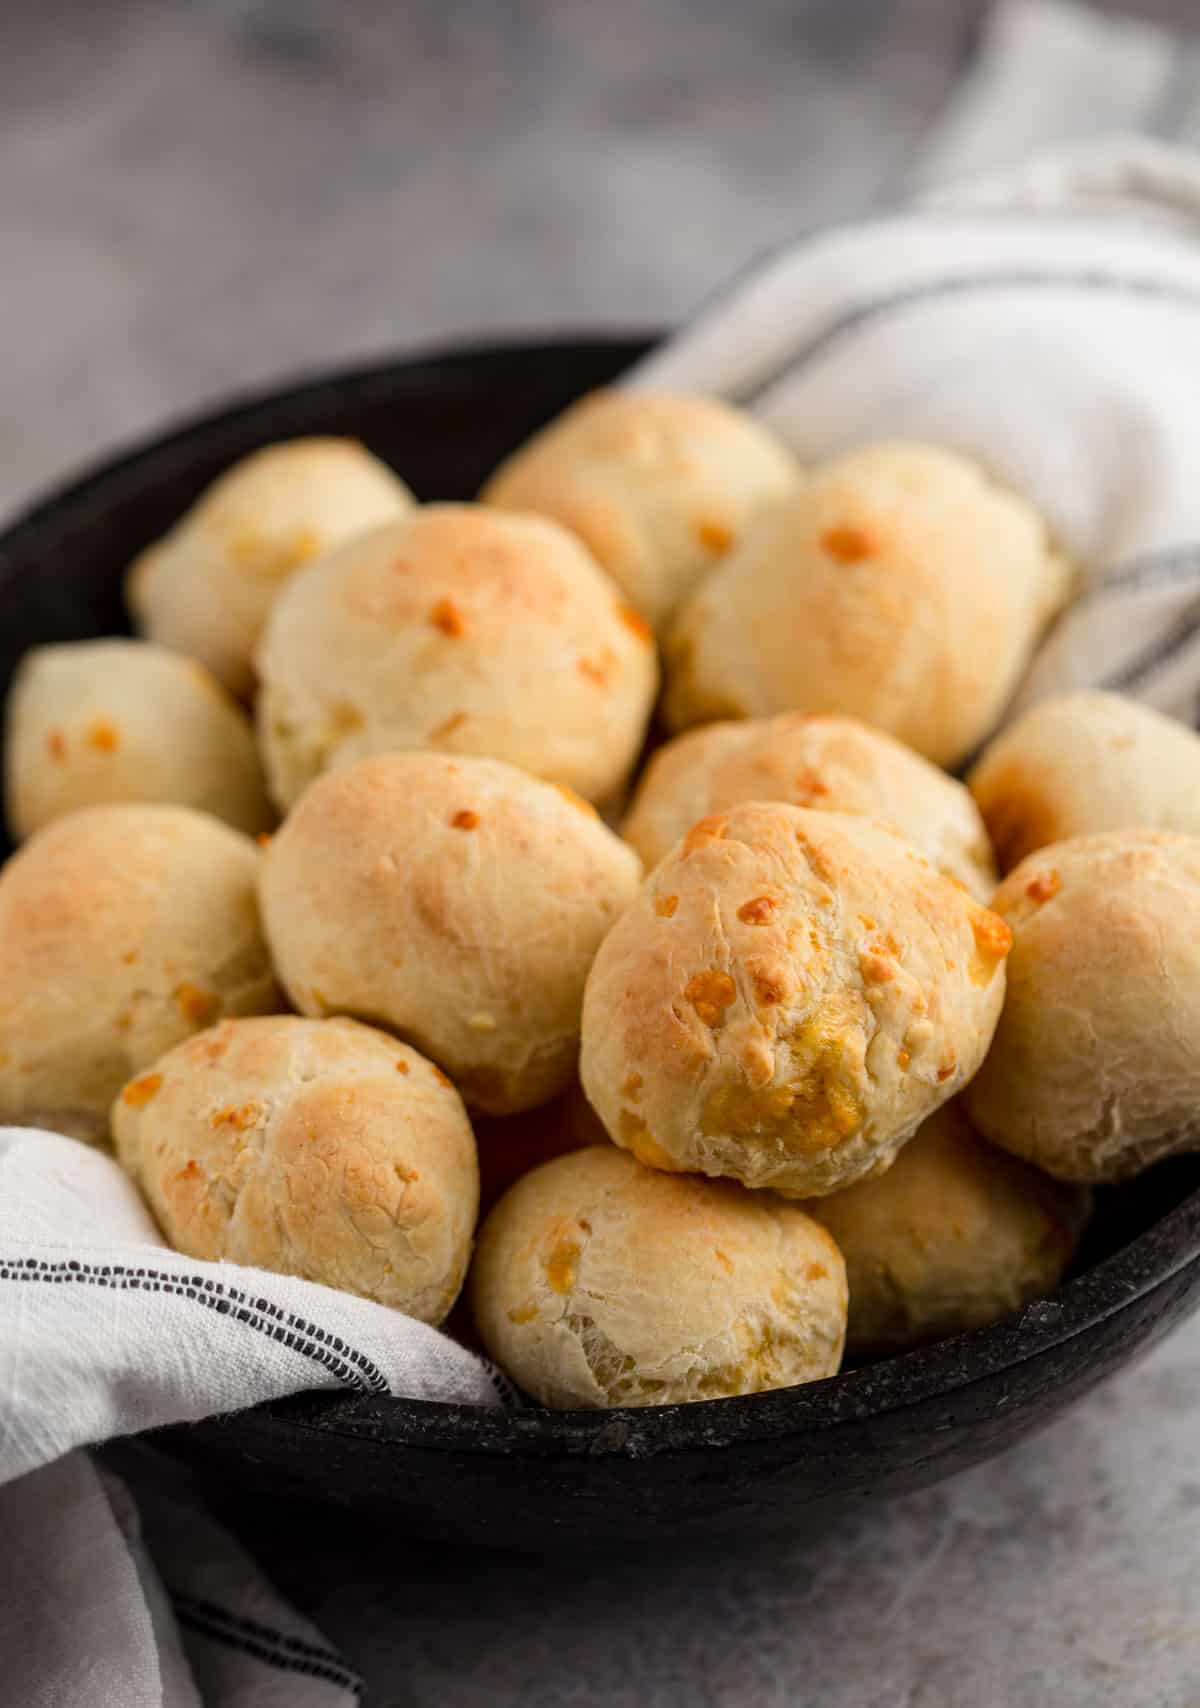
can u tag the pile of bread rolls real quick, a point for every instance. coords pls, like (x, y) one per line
(747, 1057)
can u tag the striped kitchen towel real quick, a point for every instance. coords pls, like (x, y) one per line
(105, 1331)
(1044, 320)
(108, 1602)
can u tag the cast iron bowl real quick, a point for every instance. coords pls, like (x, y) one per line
(535, 1478)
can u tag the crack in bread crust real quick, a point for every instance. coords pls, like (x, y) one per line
(798, 1050)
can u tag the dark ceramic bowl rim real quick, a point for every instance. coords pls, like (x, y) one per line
(1146, 1263)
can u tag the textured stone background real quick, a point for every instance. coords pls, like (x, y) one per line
(205, 196)
(200, 197)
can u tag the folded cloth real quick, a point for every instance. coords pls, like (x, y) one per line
(105, 1331)
(1045, 320)
(1050, 74)
(108, 1603)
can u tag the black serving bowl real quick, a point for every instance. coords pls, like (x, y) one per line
(578, 1479)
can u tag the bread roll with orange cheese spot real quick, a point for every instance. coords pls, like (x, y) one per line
(898, 585)
(954, 1235)
(601, 1283)
(122, 930)
(98, 722)
(1094, 1072)
(658, 487)
(318, 1148)
(791, 995)
(1084, 763)
(455, 901)
(463, 630)
(828, 763)
(205, 588)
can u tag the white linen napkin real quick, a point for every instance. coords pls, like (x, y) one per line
(1045, 319)
(110, 1603)
(104, 1330)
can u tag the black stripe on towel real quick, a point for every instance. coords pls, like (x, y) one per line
(1162, 650)
(1087, 282)
(1143, 574)
(254, 1629)
(217, 1630)
(350, 1366)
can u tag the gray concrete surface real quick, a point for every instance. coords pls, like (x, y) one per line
(1063, 1575)
(199, 197)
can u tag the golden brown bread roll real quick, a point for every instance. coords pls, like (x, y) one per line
(792, 993)
(898, 585)
(105, 721)
(1094, 1072)
(657, 487)
(600, 1283)
(206, 587)
(457, 902)
(954, 1235)
(318, 1148)
(829, 763)
(1083, 763)
(463, 630)
(122, 930)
